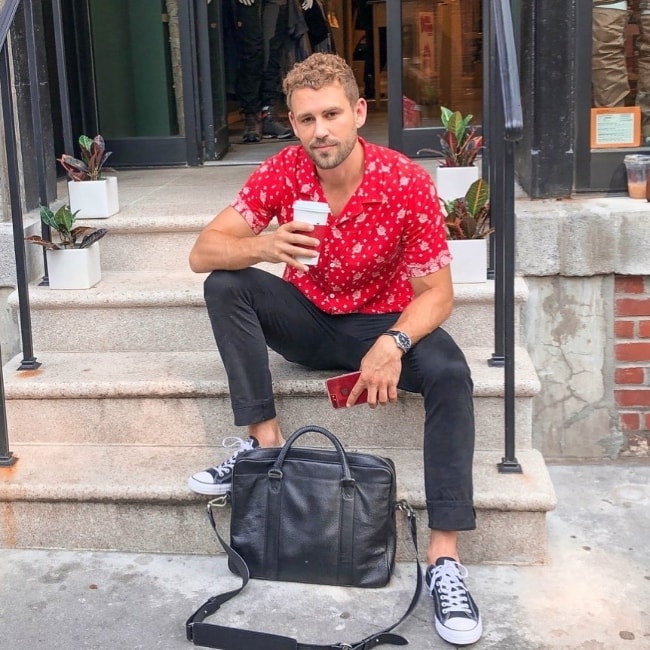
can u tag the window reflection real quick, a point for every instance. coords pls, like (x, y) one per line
(442, 59)
(621, 57)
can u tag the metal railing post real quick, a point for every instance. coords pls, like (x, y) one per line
(6, 457)
(29, 361)
(509, 463)
(37, 121)
(504, 78)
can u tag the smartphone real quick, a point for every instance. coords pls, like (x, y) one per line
(340, 387)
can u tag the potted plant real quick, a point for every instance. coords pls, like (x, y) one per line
(92, 196)
(73, 260)
(467, 222)
(460, 143)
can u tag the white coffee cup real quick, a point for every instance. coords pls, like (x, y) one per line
(316, 213)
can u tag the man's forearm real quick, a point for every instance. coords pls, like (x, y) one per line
(424, 314)
(217, 251)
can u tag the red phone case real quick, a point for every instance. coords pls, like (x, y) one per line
(339, 388)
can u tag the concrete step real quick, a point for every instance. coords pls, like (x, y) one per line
(181, 398)
(165, 310)
(134, 498)
(161, 215)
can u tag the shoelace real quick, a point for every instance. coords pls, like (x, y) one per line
(448, 580)
(232, 441)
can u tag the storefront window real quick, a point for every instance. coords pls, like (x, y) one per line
(621, 58)
(442, 59)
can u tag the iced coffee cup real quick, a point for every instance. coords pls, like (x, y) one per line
(637, 167)
(316, 213)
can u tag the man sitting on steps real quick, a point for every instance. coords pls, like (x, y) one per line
(375, 302)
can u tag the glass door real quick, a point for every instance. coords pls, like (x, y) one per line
(434, 60)
(141, 69)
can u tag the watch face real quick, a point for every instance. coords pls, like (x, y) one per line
(403, 341)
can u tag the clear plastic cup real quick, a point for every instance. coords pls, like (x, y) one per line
(316, 213)
(637, 167)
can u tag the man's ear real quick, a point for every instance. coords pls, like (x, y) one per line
(360, 112)
(292, 121)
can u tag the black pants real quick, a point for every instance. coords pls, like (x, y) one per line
(251, 309)
(259, 77)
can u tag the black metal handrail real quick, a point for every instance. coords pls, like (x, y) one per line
(504, 119)
(7, 17)
(7, 14)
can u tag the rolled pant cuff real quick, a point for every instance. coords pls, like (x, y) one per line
(254, 413)
(457, 515)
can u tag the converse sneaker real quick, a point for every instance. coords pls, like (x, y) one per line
(218, 479)
(271, 128)
(457, 617)
(252, 131)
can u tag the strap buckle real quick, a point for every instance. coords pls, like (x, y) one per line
(344, 646)
(219, 502)
(405, 506)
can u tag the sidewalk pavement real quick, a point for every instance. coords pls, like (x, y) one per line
(593, 593)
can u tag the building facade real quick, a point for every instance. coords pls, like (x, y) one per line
(156, 78)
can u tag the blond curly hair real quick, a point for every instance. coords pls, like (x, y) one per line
(319, 70)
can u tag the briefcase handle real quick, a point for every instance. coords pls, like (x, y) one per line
(277, 466)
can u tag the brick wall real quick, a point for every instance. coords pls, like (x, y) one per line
(632, 362)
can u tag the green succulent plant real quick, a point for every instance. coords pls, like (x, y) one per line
(468, 217)
(93, 157)
(63, 221)
(459, 143)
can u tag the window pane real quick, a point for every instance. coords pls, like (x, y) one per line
(621, 57)
(442, 59)
(137, 67)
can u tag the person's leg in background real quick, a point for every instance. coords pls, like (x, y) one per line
(275, 28)
(643, 62)
(250, 50)
(608, 67)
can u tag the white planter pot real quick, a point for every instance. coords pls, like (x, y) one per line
(94, 199)
(453, 182)
(469, 264)
(75, 268)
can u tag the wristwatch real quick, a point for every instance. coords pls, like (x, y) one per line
(402, 340)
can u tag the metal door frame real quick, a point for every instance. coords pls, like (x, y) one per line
(407, 140)
(199, 141)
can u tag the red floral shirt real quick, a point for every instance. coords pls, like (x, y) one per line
(390, 230)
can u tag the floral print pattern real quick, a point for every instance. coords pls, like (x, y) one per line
(390, 230)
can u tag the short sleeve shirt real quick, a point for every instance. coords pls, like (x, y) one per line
(390, 230)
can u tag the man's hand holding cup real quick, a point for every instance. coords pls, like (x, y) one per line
(315, 213)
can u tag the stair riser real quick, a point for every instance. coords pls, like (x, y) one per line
(207, 420)
(184, 327)
(153, 251)
(511, 538)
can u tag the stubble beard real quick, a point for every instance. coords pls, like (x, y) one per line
(330, 160)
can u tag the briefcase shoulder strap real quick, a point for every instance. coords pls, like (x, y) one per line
(230, 638)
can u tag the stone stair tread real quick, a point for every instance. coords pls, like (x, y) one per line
(89, 374)
(196, 192)
(141, 473)
(182, 286)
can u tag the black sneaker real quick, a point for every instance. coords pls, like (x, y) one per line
(457, 617)
(218, 479)
(271, 128)
(252, 131)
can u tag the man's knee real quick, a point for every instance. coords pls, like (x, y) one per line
(441, 361)
(222, 285)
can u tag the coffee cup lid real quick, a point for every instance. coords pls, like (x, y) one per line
(311, 206)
